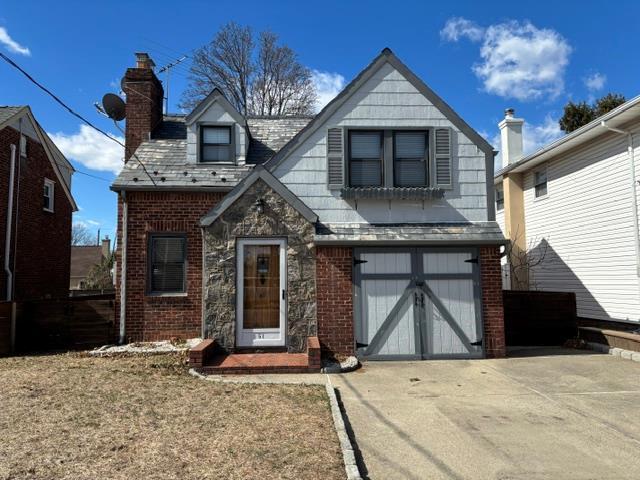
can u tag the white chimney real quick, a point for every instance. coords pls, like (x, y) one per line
(511, 137)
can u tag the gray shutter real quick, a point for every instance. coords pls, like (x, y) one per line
(335, 158)
(442, 161)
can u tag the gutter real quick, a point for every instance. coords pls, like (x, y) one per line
(634, 199)
(123, 269)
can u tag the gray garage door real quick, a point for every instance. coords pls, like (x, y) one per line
(417, 303)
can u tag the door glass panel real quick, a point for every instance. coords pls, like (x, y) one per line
(261, 286)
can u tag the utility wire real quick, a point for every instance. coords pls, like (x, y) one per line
(70, 110)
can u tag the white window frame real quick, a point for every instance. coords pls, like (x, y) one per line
(536, 184)
(51, 184)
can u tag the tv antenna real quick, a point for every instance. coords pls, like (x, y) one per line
(167, 68)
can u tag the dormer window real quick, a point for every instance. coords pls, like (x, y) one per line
(216, 144)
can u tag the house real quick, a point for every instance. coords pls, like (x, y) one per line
(370, 226)
(35, 210)
(570, 210)
(83, 259)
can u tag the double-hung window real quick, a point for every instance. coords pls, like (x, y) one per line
(410, 159)
(216, 144)
(49, 189)
(167, 263)
(540, 182)
(499, 198)
(365, 158)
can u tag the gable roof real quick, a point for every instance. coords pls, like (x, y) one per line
(58, 160)
(270, 134)
(216, 95)
(258, 173)
(386, 56)
(616, 118)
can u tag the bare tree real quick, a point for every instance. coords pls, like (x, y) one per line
(282, 86)
(267, 80)
(80, 235)
(523, 261)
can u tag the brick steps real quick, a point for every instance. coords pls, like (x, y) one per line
(204, 359)
(258, 363)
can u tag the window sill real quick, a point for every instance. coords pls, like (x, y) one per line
(391, 193)
(48, 210)
(168, 295)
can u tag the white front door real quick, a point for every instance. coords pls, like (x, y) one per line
(261, 300)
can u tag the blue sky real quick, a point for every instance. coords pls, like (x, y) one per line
(480, 57)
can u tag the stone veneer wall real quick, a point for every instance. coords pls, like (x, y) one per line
(241, 219)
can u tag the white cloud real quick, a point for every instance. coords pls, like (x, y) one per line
(458, 27)
(595, 81)
(328, 85)
(11, 45)
(534, 137)
(518, 60)
(91, 149)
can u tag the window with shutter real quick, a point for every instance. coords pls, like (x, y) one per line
(335, 158)
(442, 158)
(410, 159)
(167, 263)
(365, 158)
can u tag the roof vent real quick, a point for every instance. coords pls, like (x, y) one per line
(509, 113)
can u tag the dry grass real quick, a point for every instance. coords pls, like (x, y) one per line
(75, 417)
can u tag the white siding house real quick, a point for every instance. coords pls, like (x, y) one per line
(584, 226)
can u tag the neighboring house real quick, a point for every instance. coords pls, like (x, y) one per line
(370, 225)
(83, 259)
(35, 210)
(573, 205)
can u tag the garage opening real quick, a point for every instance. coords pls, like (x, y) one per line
(417, 303)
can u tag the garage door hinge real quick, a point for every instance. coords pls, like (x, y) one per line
(477, 343)
(357, 261)
(472, 260)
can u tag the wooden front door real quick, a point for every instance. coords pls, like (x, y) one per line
(261, 303)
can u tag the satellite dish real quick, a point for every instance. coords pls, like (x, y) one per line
(114, 106)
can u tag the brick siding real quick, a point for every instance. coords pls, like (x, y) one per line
(334, 271)
(43, 241)
(153, 317)
(492, 309)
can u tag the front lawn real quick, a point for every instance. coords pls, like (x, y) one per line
(74, 417)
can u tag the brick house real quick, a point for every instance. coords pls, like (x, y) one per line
(35, 210)
(369, 227)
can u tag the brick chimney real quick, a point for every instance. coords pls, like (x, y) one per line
(106, 247)
(144, 102)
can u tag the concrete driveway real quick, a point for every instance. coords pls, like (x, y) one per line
(561, 414)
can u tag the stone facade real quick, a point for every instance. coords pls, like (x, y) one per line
(280, 220)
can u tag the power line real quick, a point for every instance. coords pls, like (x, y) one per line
(70, 110)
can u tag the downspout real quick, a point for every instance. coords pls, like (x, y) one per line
(7, 252)
(123, 270)
(7, 240)
(634, 199)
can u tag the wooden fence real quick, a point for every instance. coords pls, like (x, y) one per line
(539, 318)
(68, 323)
